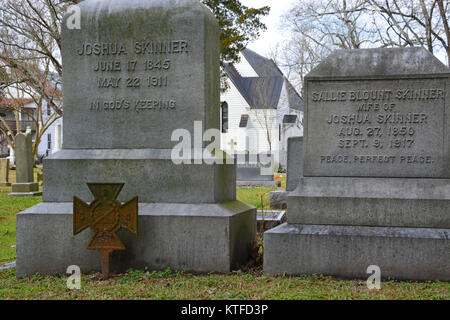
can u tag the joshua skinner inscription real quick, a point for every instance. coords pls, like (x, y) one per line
(395, 125)
(140, 47)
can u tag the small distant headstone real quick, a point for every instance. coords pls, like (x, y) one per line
(254, 170)
(294, 162)
(278, 198)
(4, 173)
(24, 185)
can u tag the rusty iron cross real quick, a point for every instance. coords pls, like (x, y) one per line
(105, 216)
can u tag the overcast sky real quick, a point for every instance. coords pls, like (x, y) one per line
(273, 35)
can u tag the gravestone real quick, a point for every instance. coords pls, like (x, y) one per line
(294, 162)
(4, 173)
(375, 188)
(268, 219)
(24, 185)
(255, 170)
(278, 199)
(135, 72)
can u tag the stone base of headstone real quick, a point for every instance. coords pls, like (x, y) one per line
(278, 199)
(155, 177)
(270, 184)
(269, 219)
(347, 251)
(5, 184)
(189, 237)
(340, 226)
(30, 189)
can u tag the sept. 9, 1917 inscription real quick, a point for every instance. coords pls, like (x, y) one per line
(376, 127)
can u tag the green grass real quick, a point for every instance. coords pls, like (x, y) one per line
(9, 207)
(253, 196)
(239, 286)
(168, 284)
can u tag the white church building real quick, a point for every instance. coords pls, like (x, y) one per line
(260, 110)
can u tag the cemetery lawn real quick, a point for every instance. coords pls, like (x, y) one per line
(135, 284)
(9, 207)
(253, 196)
(165, 285)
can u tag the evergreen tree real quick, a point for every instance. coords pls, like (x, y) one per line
(238, 23)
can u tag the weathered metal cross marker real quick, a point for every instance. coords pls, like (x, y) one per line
(105, 215)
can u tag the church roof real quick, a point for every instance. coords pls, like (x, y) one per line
(264, 91)
(263, 67)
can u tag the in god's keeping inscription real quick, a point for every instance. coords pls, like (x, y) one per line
(379, 128)
(116, 67)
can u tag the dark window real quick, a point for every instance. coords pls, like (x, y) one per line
(289, 118)
(49, 141)
(244, 121)
(279, 132)
(224, 117)
(2, 114)
(48, 109)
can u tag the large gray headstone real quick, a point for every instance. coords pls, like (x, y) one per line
(378, 113)
(375, 189)
(138, 70)
(133, 73)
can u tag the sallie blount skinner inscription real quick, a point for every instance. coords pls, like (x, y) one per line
(152, 72)
(390, 125)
